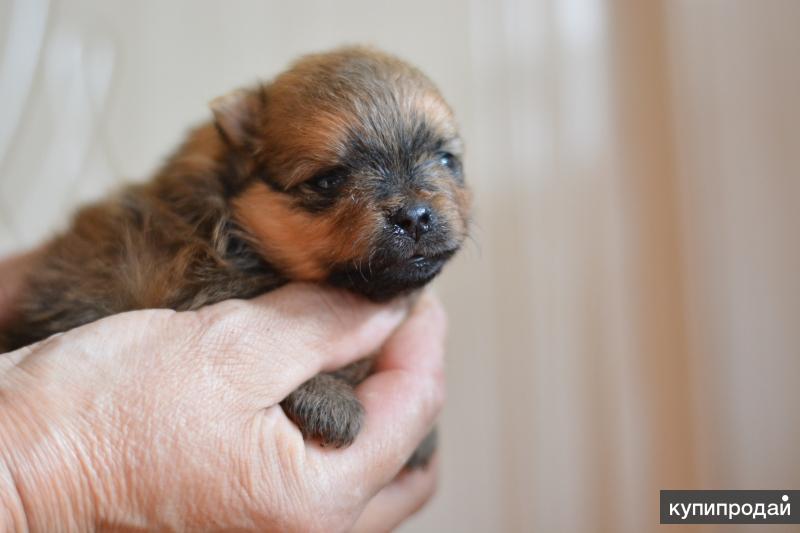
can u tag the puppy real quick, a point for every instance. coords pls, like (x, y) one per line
(345, 169)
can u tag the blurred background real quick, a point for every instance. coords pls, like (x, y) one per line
(628, 318)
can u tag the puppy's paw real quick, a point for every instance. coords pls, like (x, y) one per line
(422, 455)
(326, 409)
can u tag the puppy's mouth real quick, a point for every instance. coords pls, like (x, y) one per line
(389, 280)
(423, 265)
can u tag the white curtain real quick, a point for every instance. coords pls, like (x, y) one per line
(626, 319)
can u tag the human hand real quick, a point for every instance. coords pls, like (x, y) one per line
(156, 419)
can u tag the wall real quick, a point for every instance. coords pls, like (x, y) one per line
(625, 317)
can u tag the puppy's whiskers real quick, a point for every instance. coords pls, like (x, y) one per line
(369, 261)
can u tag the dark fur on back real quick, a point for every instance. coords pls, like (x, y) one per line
(171, 243)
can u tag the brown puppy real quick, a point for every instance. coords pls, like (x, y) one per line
(346, 169)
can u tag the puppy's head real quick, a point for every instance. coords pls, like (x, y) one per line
(352, 172)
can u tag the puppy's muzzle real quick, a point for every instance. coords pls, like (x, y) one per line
(413, 220)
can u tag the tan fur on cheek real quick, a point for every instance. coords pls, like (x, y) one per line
(303, 245)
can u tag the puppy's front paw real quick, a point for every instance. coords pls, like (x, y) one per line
(326, 409)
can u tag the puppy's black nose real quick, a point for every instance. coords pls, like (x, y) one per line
(414, 220)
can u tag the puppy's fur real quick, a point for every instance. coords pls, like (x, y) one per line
(344, 169)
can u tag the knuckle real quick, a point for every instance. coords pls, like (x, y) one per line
(437, 392)
(438, 399)
(439, 313)
(425, 391)
(216, 318)
(223, 334)
(223, 324)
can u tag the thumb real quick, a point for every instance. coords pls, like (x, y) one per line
(287, 336)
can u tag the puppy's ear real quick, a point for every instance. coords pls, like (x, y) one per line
(237, 113)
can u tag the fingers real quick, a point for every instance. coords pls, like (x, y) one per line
(289, 335)
(401, 498)
(420, 347)
(401, 400)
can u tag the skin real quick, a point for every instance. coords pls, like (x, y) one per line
(163, 420)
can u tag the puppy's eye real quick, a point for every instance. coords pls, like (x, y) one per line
(446, 159)
(327, 181)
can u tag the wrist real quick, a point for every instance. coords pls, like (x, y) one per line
(43, 486)
(12, 509)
